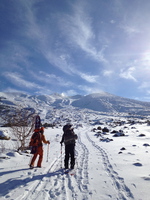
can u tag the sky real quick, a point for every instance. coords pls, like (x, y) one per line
(75, 47)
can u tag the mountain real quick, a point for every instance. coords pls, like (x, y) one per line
(100, 102)
(105, 102)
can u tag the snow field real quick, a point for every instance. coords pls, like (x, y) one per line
(103, 171)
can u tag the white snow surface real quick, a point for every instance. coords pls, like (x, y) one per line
(103, 169)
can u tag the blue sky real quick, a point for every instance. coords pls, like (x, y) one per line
(75, 47)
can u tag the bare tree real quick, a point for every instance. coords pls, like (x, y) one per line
(22, 121)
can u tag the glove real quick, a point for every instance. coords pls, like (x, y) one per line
(48, 142)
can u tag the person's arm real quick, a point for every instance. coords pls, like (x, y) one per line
(75, 136)
(44, 140)
(62, 140)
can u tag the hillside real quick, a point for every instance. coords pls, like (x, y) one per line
(112, 150)
(50, 105)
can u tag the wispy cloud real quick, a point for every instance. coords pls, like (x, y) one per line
(18, 80)
(53, 79)
(69, 92)
(88, 90)
(80, 47)
(79, 31)
(9, 89)
(128, 74)
(145, 85)
(89, 78)
(130, 29)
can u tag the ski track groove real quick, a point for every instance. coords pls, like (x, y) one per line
(39, 185)
(124, 192)
(82, 178)
(65, 185)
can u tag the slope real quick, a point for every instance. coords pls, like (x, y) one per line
(94, 175)
(101, 102)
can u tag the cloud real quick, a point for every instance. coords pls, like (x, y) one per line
(89, 78)
(60, 61)
(78, 31)
(108, 73)
(17, 79)
(77, 28)
(130, 29)
(145, 85)
(53, 79)
(11, 90)
(112, 21)
(128, 74)
(43, 40)
(69, 93)
(88, 90)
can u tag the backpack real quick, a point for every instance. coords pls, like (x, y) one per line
(69, 137)
(35, 141)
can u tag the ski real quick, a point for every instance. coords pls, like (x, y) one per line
(31, 167)
(72, 172)
(37, 122)
(69, 171)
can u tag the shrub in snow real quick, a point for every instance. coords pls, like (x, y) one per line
(105, 129)
(106, 140)
(94, 129)
(141, 135)
(137, 164)
(114, 131)
(133, 127)
(118, 134)
(146, 145)
(99, 128)
(148, 123)
(123, 148)
(3, 136)
(98, 134)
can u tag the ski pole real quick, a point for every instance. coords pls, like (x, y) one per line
(61, 155)
(76, 161)
(30, 160)
(47, 152)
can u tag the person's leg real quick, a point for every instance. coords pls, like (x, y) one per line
(33, 159)
(40, 152)
(66, 156)
(72, 150)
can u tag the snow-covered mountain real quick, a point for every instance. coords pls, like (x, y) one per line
(112, 150)
(101, 102)
(105, 102)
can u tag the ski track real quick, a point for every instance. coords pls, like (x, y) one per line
(52, 183)
(39, 189)
(124, 192)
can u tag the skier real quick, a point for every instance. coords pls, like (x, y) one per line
(69, 138)
(36, 143)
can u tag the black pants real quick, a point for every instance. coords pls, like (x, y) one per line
(69, 153)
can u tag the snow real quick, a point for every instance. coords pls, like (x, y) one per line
(2, 134)
(109, 165)
(115, 169)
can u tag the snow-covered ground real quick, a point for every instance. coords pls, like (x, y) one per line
(105, 169)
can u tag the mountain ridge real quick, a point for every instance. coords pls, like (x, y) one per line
(101, 102)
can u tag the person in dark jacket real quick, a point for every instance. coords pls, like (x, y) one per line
(69, 139)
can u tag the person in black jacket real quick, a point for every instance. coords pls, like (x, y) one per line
(68, 139)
